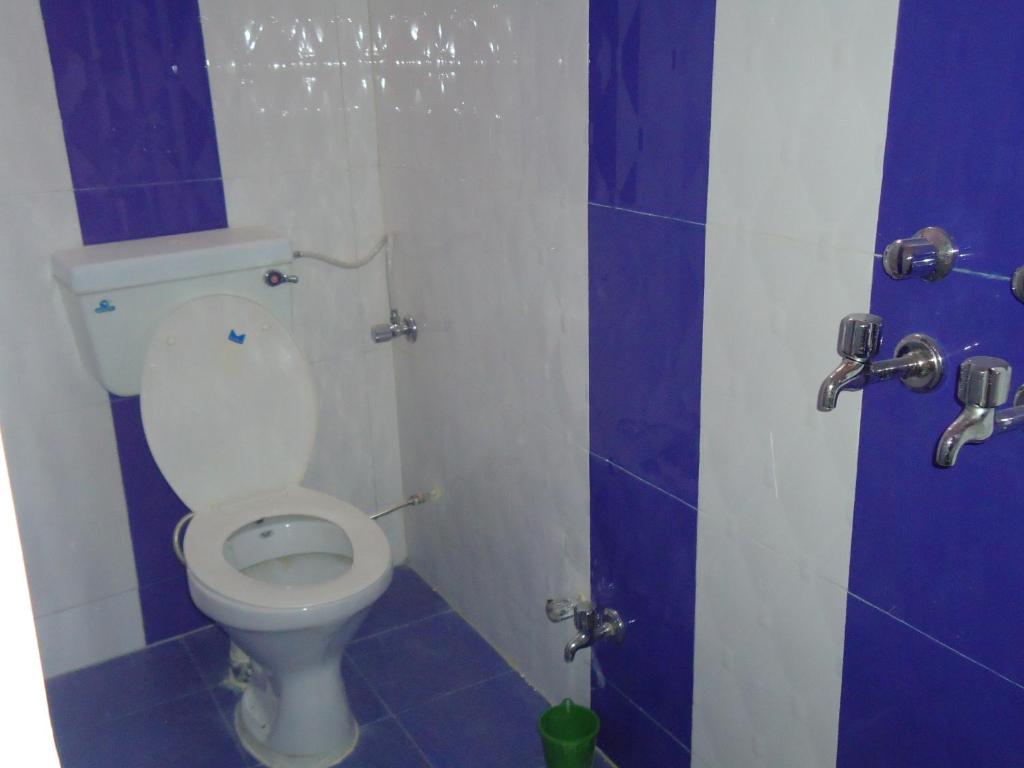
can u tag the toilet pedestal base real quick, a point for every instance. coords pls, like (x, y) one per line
(251, 720)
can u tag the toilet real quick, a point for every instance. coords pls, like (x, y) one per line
(229, 411)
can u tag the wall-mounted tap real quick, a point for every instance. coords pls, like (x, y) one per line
(930, 255)
(399, 326)
(591, 624)
(983, 386)
(918, 363)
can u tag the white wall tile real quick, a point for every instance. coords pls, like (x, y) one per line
(799, 112)
(42, 369)
(769, 656)
(482, 117)
(32, 154)
(91, 633)
(70, 503)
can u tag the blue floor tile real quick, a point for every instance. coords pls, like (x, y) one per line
(366, 705)
(492, 724)
(409, 665)
(209, 651)
(385, 745)
(408, 599)
(185, 732)
(100, 694)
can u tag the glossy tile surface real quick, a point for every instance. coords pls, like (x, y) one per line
(951, 572)
(650, 105)
(493, 724)
(630, 737)
(482, 118)
(915, 703)
(164, 705)
(646, 309)
(643, 555)
(800, 97)
(133, 92)
(419, 661)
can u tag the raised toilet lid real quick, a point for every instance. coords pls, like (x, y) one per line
(228, 403)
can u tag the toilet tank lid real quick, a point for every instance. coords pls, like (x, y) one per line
(129, 263)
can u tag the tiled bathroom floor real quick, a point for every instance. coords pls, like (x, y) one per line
(427, 690)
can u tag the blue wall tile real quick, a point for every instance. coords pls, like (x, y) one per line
(135, 105)
(646, 316)
(650, 105)
(650, 122)
(151, 210)
(939, 549)
(630, 737)
(133, 92)
(917, 704)
(643, 562)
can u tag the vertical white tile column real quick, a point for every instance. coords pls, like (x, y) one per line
(799, 113)
(57, 427)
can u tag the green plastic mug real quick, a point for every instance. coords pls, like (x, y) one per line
(569, 734)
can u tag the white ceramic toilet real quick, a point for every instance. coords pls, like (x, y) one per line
(229, 412)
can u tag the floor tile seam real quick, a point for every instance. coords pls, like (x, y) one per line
(649, 716)
(938, 642)
(373, 689)
(643, 480)
(408, 624)
(359, 673)
(230, 730)
(412, 740)
(133, 712)
(194, 661)
(461, 689)
(142, 184)
(648, 214)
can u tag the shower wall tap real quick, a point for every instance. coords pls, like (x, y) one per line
(918, 362)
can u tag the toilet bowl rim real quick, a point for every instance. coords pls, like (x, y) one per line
(210, 530)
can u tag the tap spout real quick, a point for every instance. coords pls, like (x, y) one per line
(848, 375)
(576, 645)
(974, 425)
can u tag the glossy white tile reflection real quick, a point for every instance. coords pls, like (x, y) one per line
(799, 112)
(91, 633)
(482, 117)
(296, 126)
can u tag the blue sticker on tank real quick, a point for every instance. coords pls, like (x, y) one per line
(238, 338)
(104, 306)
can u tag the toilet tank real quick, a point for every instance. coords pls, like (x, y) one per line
(116, 293)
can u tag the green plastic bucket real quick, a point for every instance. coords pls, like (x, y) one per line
(569, 733)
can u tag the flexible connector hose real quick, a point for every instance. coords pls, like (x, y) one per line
(176, 536)
(415, 500)
(345, 264)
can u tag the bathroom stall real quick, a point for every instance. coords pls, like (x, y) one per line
(661, 355)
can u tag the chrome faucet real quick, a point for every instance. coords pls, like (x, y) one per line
(983, 385)
(591, 625)
(918, 362)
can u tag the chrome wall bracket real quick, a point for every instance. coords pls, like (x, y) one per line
(919, 362)
(929, 255)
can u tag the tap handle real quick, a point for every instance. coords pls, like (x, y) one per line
(929, 254)
(560, 609)
(984, 381)
(860, 336)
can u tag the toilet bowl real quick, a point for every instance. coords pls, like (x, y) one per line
(229, 412)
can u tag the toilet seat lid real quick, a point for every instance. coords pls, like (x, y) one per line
(228, 404)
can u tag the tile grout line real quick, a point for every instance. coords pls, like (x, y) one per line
(636, 212)
(935, 640)
(646, 482)
(646, 714)
(397, 627)
(393, 716)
